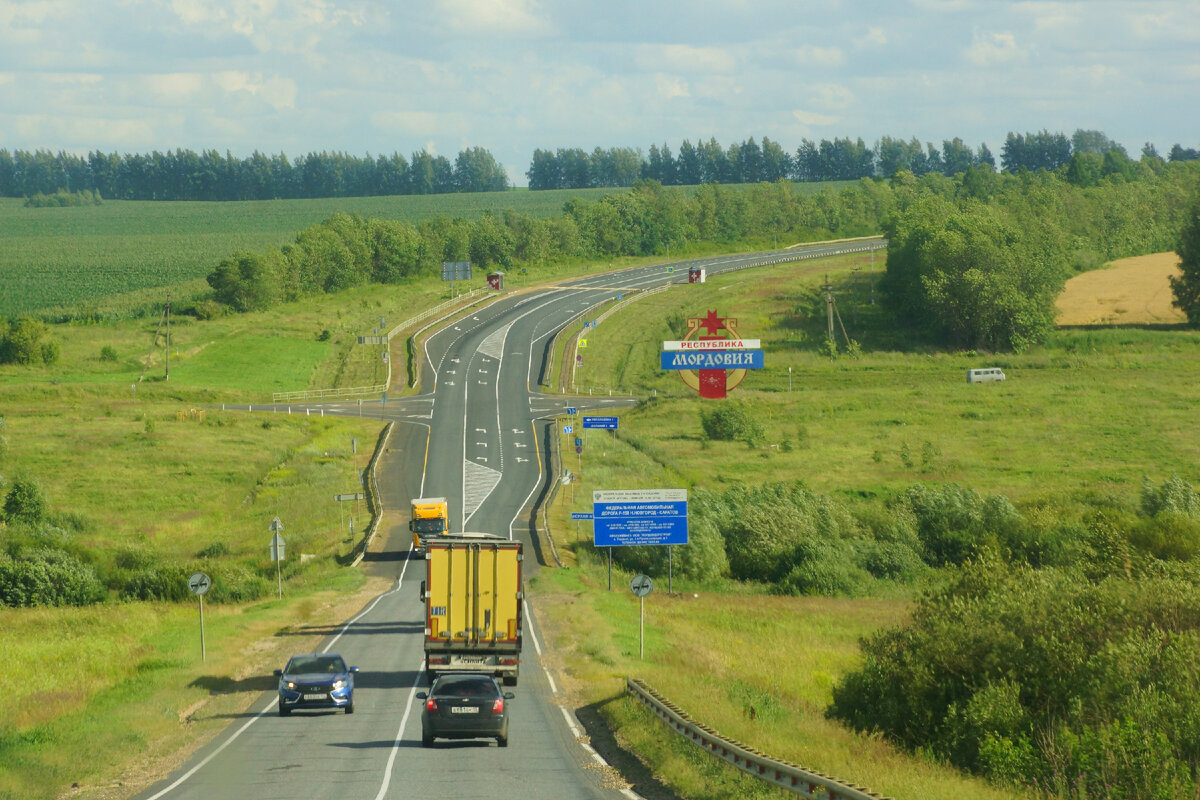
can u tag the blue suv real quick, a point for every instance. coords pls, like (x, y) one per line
(316, 680)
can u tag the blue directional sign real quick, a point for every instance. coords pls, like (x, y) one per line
(604, 423)
(712, 359)
(639, 516)
(571, 410)
(580, 515)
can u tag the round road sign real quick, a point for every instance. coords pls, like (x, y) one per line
(199, 583)
(641, 585)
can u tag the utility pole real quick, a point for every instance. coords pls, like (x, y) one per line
(167, 373)
(828, 287)
(872, 277)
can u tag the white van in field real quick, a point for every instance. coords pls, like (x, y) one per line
(985, 375)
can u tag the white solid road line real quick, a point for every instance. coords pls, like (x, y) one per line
(391, 762)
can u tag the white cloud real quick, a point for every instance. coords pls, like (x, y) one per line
(692, 59)
(494, 17)
(671, 86)
(831, 95)
(278, 92)
(34, 12)
(1093, 75)
(992, 48)
(198, 12)
(411, 123)
(874, 37)
(72, 78)
(177, 86)
(820, 56)
(813, 118)
(1051, 16)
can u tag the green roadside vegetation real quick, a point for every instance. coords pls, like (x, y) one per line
(885, 434)
(1083, 452)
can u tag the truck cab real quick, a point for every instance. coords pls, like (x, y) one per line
(430, 517)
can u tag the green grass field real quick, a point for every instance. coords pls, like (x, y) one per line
(1087, 415)
(1092, 411)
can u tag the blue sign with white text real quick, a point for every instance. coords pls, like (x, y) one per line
(604, 423)
(634, 523)
(712, 359)
(580, 515)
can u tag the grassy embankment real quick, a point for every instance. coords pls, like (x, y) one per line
(1091, 412)
(120, 693)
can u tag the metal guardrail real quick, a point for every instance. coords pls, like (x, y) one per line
(789, 776)
(379, 388)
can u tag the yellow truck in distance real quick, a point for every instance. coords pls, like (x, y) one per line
(430, 518)
(473, 598)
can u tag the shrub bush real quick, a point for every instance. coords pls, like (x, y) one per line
(48, 578)
(731, 421)
(1080, 688)
(162, 582)
(233, 583)
(25, 503)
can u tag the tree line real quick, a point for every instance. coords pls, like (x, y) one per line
(840, 159)
(209, 175)
(974, 261)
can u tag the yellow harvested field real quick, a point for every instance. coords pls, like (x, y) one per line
(1131, 291)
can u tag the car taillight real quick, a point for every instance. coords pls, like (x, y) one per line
(431, 704)
(498, 706)
(507, 661)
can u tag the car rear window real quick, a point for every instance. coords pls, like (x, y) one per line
(465, 687)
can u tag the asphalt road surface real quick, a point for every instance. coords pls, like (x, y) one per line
(477, 436)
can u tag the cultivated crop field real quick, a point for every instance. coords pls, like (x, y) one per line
(68, 256)
(1131, 291)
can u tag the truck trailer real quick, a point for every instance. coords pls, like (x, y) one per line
(430, 518)
(473, 598)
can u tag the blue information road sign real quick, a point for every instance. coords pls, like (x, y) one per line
(712, 359)
(649, 516)
(605, 423)
(580, 515)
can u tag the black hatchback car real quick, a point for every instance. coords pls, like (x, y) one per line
(316, 680)
(464, 706)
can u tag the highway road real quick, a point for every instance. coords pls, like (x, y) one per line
(477, 435)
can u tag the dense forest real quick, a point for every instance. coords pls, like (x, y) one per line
(186, 175)
(1088, 154)
(209, 175)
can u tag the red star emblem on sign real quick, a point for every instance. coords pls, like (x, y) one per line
(712, 323)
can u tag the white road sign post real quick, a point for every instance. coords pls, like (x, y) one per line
(198, 584)
(641, 585)
(277, 551)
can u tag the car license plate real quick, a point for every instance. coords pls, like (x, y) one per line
(471, 659)
(464, 710)
(316, 696)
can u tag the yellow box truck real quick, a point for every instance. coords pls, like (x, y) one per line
(473, 597)
(430, 518)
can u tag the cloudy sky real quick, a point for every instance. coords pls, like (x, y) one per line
(384, 76)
